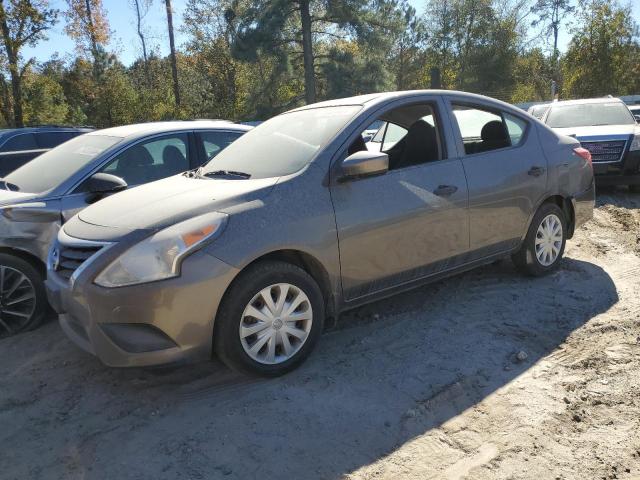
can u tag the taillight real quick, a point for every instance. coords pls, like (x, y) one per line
(584, 153)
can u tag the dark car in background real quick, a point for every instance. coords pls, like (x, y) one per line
(40, 196)
(606, 128)
(19, 145)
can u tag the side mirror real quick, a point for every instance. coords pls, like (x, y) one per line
(364, 164)
(105, 183)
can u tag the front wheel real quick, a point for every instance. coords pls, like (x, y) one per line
(544, 243)
(270, 319)
(23, 300)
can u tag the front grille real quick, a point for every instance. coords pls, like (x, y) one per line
(605, 151)
(71, 257)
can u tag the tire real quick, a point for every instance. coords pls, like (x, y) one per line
(23, 301)
(526, 259)
(245, 296)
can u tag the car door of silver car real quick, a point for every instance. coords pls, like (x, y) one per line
(409, 222)
(506, 173)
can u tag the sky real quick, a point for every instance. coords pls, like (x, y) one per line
(125, 41)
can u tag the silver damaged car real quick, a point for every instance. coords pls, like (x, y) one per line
(297, 221)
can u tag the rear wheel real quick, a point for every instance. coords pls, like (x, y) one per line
(270, 320)
(544, 243)
(23, 300)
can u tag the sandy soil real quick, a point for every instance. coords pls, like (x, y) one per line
(483, 376)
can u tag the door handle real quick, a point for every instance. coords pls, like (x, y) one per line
(445, 190)
(536, 171)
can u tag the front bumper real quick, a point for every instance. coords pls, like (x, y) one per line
(148, 324)
(625, 172)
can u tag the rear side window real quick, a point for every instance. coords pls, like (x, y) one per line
(483, 130)
(23, 141)
(53, 139)
(516, 127)
(216, 141)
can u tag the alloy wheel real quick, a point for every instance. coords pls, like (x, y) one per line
(276, 323)
(548, 240)
(17, 301)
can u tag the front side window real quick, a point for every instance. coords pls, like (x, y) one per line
(151, 160)
(589, 115)
(284, 144)
(484, 130)
(410, 136)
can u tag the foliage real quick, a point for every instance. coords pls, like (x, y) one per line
(251, 59)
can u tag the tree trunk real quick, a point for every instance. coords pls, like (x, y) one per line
(14, 71)
(172, 45)
(144, 44)
(307, 53)
(95, 49)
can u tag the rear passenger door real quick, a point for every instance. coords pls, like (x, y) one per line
(506, 173)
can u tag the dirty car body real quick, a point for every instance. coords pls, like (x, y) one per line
(320, 221)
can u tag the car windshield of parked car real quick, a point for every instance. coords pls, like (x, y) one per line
(589, 114)
(282, 145)
(50, 169)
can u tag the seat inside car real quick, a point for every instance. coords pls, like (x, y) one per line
(420, 146)
(134, 165)
(174, 161)
(494, 135)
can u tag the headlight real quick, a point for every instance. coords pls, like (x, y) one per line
(635, 143)
(158, 256)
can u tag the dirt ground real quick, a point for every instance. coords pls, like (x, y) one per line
(487, 375)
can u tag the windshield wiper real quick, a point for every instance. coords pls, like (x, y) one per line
(225, 173)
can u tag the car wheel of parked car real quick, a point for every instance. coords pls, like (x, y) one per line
(544, 244)
(22, 297)
(270, 319)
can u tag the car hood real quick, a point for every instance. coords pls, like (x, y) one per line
(610, 131)
(165, 202)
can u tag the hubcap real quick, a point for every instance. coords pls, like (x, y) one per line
(17, 301)
(548, 240)
(276, 323)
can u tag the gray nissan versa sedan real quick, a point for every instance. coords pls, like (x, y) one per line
(297, 220)
(41, 195)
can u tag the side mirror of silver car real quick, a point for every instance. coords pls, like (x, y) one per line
(105, 183)
(364, 164)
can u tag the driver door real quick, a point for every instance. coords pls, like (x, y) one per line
(403, 225)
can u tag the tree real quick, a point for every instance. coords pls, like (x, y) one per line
(294, 29)
(142, 8)
(550, 15)
(89, 28)
(604, 53)
(22, 22)
(172, 46)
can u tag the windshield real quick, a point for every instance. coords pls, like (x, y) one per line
(50, 169)
(589, 114)
(282, 145)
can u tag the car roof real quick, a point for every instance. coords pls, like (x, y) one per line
(585, 101)
(142, 129)
(366, 100)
